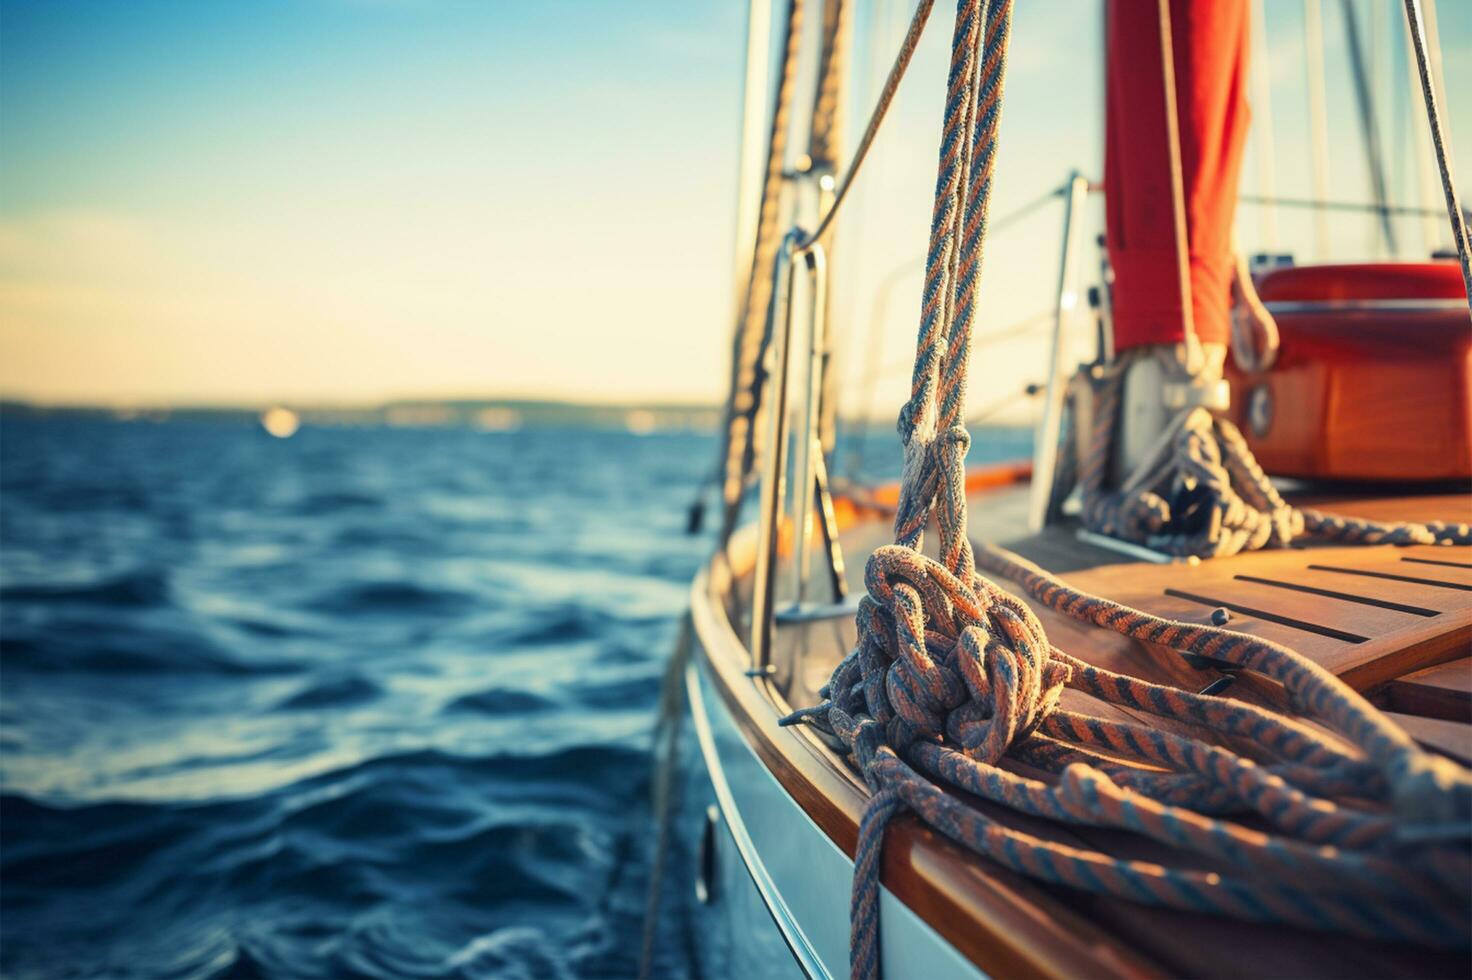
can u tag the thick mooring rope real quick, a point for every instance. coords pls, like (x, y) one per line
(1366, 833)
(1203, 494)
(739, 447)
(825, 150)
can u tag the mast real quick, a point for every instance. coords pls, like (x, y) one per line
(753, 147)
(1262, 111)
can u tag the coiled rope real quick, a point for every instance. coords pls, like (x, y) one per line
(1202, 493)
(1367, 835)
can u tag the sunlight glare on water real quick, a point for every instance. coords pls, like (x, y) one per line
(280, 422)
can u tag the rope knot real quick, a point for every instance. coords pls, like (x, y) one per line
(964, 661)
(954, 438)
(1013, 682)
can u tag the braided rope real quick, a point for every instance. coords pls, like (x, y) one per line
(747, 343)
(927, 447)
(825, 140)
(1204, 494)
(1367, 836)
(1366, 833)
(825, 148)
(876, 118)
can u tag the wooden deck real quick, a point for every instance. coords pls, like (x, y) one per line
(1395, 623)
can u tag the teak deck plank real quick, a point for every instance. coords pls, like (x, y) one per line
(1366, 644)
(1442, 692)
(1391, 639)
(1451, 738)
(1454, 678)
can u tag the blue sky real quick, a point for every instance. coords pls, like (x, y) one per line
(359, 199)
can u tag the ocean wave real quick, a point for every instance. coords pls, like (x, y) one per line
(333, 692)
(566, 623)
(389, 598)
(487, 840)
(514, 953)
(620, 689)
(140, 588)
(501, 701)
(86, 648)
(357, 703)
(335, 503)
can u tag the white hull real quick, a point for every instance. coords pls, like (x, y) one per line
(782, 886)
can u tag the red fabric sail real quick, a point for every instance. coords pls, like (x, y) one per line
(1209, 39)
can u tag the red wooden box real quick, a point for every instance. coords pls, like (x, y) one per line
(1373, 380)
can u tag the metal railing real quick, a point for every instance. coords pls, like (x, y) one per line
(788, 377)
(1045, 445)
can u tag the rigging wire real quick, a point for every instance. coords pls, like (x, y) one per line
(1262, 116)
(1030, 390)
(1438, 138)
(1020, 328)
(1177, 177)
(825, 146)
(1364, 102)
(1423, 171)
(747, 376)
(876, 118)
(1316, 204)
(746, 369)
(1313, 61)
(880, 309)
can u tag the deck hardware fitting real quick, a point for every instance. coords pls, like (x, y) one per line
(1218, 686)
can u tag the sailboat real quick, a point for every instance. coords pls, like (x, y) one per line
(1206, 714)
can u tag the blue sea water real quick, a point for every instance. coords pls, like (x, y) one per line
(362, 702)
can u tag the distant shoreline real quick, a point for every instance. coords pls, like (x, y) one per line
(492, 414)
(489, 414)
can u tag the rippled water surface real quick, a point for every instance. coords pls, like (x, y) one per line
(358, 702)
(361, 702)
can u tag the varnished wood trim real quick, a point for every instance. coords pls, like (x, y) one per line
(1426, 649)
(1424, 700)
